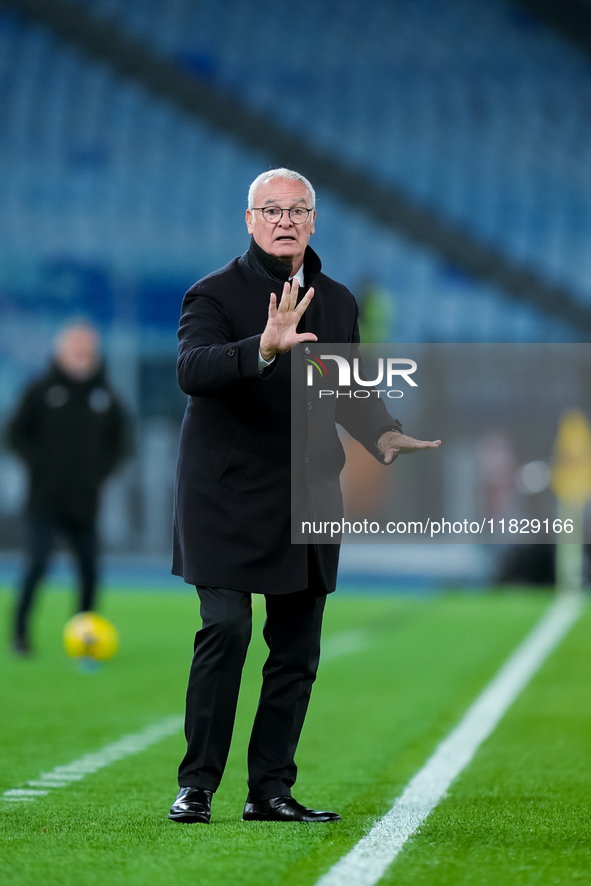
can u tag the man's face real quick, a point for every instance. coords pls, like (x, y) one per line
(78, 352)
(282, 239)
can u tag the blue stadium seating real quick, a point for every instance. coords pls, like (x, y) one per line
(473, 108)
(104, 183)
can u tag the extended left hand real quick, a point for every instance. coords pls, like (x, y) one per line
(393, 443)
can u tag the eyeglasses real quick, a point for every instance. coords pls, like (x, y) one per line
(273, 214)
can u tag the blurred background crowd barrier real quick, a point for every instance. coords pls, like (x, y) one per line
(448, 141)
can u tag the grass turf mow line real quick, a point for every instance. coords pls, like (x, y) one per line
(126, 746)
(369, 859)
(343, 644)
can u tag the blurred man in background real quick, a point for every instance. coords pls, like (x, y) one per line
(70, 430)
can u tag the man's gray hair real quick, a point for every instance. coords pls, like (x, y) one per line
(264, 177)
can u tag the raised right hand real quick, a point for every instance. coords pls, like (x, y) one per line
(280, 334)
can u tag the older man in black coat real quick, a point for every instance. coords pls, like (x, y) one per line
(233, 490)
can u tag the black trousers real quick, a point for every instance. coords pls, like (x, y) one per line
(292, 633)
(41, 534)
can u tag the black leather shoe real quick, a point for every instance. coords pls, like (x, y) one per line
(284, 809)
(192, 805)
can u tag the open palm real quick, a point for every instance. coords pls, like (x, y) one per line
(393, 443)
(280, 334)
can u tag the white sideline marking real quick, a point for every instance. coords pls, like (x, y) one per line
(62, 776)
(126, 746)
(366, 863)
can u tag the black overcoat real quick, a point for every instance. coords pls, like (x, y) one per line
(233, 482)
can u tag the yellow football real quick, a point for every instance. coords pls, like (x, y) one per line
(89, 635)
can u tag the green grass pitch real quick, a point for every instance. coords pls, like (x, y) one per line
(519, 814)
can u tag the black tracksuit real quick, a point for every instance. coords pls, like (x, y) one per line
(70, 434)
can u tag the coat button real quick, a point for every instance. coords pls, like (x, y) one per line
(309, 404)
(230, 352)
(307, 459)
(307, 351)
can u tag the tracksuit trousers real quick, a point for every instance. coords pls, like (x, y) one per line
(40, 538)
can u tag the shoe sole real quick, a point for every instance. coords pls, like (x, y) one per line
(184, 818)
